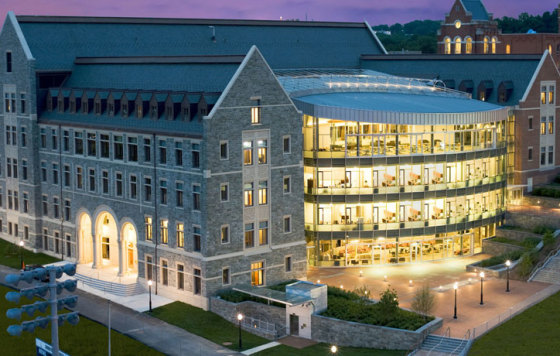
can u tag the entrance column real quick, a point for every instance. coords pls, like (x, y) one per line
(95, 263)
(120, 243)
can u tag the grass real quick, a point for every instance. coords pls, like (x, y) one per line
(533, 332)
(10, 256)
(206, 324)
(86, 338)
(528, 242)
(324, 349)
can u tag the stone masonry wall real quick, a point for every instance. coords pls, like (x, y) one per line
(517, 235)
(346, 333)
(531, 221)
(498, 248)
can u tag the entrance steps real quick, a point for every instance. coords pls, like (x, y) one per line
(550, 272)
(110, 287)
(440, 345)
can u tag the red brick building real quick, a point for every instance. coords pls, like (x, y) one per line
(469, 29)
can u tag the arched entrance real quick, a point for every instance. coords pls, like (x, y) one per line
(106, 240)
(130, 238)
(85, 239)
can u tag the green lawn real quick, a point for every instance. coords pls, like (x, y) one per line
(10, 256)
(324, 349)
(206, 324)
(86, 338)
(533, 332)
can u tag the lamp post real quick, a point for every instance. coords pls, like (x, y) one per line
(334, 349)
(150, 292)
(481, 288)
(508, 263)
(239, 318)
(21, 254)
(455, 287)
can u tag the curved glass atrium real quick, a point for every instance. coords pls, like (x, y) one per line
(396, 170)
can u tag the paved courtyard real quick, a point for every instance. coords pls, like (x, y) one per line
(440, 276)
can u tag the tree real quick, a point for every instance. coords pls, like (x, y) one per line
(388, 304)
(424, 301)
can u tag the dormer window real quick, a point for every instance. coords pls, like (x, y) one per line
(203, 111)
(185, 112)
(85, 104)
(139, 111)
(97, 107)
(169, 112)
(60, 104)
(124, 108)
(73, 105)
(111, 108)
(154, 111)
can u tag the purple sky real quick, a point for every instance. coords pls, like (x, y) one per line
(375, 12)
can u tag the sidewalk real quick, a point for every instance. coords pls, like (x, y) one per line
(153, 332)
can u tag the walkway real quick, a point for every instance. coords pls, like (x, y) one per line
(442, 273)
(153, 332)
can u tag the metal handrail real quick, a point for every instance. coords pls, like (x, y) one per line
(467, 336)
(543, 263)
(446, 334)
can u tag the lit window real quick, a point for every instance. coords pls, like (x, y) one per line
(148, 228)
(494, 42)
(262, 151)
(543, 95)
(457, 24)
(551, 125)
(164, 231)
(551, 94)
(257, 274)
(256, 114)
(224, 234)
(508, 49)
(543, 125)
(447, 45)
(247, 153)
(180, 234)
(263, 192)
(468, 45)
(248, 194)
(458, 45)
(486, 45)
(249, 235)
(263, 233)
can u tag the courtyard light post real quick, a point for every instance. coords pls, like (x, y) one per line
(481, 288)
(239, 318)
(455, 287)
(21, 254)
(150, 293)
(508, 263)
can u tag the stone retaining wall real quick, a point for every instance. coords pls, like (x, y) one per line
(347, 333)
(517, 235)
(264, 312)
(497, 248)
(545, 202)
(531, 221)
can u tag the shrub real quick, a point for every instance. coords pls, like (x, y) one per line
(497, 260)
(424, 301)
(548, 238)
(541, 229)
(530, 242)
(557, 179)
(527, 262)
(388, 303)
(362, 291)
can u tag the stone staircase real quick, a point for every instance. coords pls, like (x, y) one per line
(118, 289)
(550, 272)
(440, 345)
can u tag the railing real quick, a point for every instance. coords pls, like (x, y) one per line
(513, 311)
(466, 339)
(543, 263)
(446, 334)
(262, 326)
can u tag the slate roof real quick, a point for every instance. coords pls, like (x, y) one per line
(518, 69)
(56, 41)
(159, 77)
(476, 7)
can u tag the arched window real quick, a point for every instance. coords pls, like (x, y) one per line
(494, 42)
(468, 45)
(447, 45)
(549, 48)
(508, 49)
(486, 44)
(457, 45)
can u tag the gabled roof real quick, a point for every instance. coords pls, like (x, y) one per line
(518, 69)
(477, 9)
(56, 41)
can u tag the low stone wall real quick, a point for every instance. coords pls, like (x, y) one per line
(347, 333)
(263, 312)
(531, 221)
(545, 202)
(517, 235)
(497, 248)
